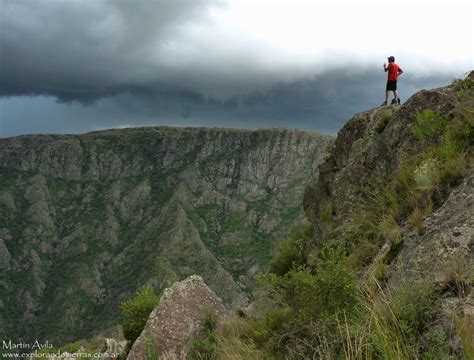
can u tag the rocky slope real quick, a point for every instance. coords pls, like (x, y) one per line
(85, 220)
(368, 154)
(360, 195)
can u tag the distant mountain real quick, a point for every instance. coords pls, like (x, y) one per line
(85, 220)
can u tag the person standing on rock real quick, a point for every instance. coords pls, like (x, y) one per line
(393, 72)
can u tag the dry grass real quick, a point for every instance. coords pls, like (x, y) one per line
(387, 332)
(362, 253)
(466, 333)
(233, 344)
(355, 341)
(389, 228)
(182, 355)
(416, 220)
(457, 276)
(380, 334)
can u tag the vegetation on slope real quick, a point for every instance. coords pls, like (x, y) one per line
(329, 298)
(135, 312)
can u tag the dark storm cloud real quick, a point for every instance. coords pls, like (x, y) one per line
(322, 103)
(84, 50)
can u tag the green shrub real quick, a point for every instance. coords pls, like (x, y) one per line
(414, 307)
(135, 312)
(362, 237)
(233, 347)
(381, 272)
(149, 347)
(362, 254)
(72, 347)
(466, 333)
(450, 148)
(427, 175)
(326, 216)
(289, 252)
(270, 324)
(204, 346)
(446, 145)
(376, 223)
(451, 172)
(428, 125)
(321, 292)
(383, 120)
(463, 84)
(435, 343)
(306, 302)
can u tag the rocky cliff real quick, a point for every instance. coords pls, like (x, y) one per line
(367, 153)
(85, 220)
(396, 190)
(373, 153)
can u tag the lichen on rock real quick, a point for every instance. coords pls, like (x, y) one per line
(177, 318)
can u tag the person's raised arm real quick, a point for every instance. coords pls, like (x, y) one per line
(385, 67)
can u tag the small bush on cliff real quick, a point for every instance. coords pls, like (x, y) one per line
(414, 308)
(307, 301)
(428, 125)
(204, 346)
(384, 118)
(446, 144)
(289, 252)
(135, 312)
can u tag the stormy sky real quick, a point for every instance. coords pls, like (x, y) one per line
(71, 66)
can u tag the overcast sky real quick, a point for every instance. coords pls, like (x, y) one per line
(70, 66)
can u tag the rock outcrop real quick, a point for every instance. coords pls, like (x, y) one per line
(177, 319)
(369, 154)
(86, 220)
(448, 241)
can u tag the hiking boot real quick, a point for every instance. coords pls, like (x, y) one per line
(384, 103)
(393, 102)
(398, 101)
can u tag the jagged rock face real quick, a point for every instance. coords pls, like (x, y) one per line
(366, 155)
(177, 319)
(85, 220)
(449, 239)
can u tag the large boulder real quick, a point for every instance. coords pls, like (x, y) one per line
(177, 319)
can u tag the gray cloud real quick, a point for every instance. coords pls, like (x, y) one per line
(143, 62)
(84, 50)
(322, 103)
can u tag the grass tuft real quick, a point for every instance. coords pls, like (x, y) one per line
(416, 220)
